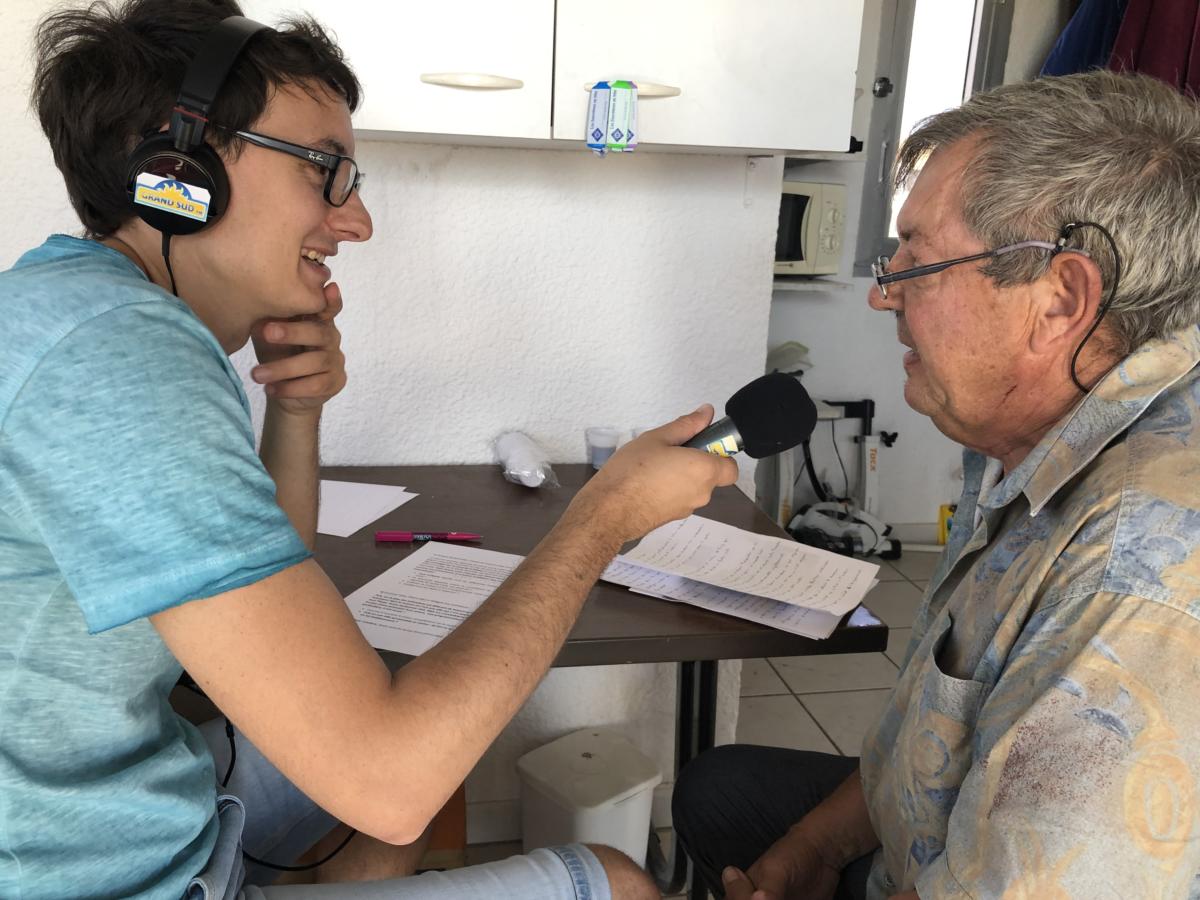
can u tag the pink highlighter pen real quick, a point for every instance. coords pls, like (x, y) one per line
(407, 537)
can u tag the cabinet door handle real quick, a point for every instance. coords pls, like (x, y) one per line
(475, 80)
(648, 90)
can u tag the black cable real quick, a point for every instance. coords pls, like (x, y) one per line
(232, 752)
(262, 862)
(845, 477)
(812, 473)
(333, 853)
(1062, 242)
(166, 252)
(186, 681)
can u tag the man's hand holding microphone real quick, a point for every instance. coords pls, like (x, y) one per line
(654, 479)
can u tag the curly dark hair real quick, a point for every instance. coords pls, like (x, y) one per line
(109, 74)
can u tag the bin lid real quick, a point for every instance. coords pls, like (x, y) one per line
(589, 769)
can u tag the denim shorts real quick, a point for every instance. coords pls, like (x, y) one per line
(266, 814)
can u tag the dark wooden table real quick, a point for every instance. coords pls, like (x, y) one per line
(616, 626)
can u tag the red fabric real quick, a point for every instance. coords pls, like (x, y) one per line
(1161, 38)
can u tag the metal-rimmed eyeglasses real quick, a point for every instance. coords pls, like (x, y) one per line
(883, 277)
(342, 177)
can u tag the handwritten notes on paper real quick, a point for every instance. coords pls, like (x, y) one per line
(813, 623)
(425, 596)
(776, 568)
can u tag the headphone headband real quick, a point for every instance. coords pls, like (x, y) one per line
(205, 75)
(176, 182)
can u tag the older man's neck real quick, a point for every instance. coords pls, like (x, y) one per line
(1038, 406)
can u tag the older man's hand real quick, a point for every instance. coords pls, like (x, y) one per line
(738, 886)
(791, 869)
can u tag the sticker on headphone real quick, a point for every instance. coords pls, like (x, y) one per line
(172, 196)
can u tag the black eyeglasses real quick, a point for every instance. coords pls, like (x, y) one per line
(342, 175)
(883, 277)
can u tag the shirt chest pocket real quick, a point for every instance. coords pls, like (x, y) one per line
(934, 740)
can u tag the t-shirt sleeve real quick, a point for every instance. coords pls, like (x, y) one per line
(129, 453)
(1085, 778)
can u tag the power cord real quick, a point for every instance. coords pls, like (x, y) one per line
(838, 453)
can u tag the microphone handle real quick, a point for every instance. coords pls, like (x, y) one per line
(721, 438)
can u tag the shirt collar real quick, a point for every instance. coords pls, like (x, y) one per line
(1111, 407)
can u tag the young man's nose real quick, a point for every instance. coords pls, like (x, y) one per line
(351, 221)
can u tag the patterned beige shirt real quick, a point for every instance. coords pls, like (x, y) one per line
(1043, 740)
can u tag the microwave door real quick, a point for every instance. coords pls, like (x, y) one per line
(794, 212)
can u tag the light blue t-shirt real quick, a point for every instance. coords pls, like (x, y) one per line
(128, 485)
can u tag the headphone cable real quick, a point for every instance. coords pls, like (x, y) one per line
(186, 681)
(166, 252)
(1063, 237)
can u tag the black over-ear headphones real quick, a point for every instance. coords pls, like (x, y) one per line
(177, 182)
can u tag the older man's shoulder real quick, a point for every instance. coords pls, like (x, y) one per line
(1152, 482)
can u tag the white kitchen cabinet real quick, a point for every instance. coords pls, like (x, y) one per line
(776, 75)
(400, 50)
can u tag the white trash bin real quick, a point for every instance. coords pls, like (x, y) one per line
(592, 786)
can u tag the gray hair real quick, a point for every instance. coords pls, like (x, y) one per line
(1119, 150)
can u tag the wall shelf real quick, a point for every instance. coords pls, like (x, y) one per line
(805, 283)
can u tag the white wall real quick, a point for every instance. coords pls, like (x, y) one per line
(856, 356)
(540, 290)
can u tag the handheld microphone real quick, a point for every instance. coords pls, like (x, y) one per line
(770, 414)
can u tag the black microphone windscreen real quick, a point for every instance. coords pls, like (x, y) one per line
(772, 413)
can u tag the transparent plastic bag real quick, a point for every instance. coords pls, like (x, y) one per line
(524, 461)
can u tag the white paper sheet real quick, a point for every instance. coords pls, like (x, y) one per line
(421, 599)
(813, 623)
(756, 564)
(347, 506)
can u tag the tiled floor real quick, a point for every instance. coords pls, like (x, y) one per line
(827, 703)
(821, 703)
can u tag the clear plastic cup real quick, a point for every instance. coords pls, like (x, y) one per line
(602, 443)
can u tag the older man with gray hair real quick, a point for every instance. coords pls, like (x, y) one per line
(1043, 739)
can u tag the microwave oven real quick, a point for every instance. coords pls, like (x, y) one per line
(811, 220)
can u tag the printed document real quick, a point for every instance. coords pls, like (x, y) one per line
(421, 599)
(347, 506)
(762, 566)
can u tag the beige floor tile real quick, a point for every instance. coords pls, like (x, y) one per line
(917, 566)
(779, 722)
(847, 716)
(836, 672)
(887, 572)
(759, 679)
(895, 602)
(897, 644)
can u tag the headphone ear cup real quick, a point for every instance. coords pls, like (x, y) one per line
(175, 192)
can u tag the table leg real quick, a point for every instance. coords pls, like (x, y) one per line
(695, 730)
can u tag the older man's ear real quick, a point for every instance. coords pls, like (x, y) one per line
(1067, 300)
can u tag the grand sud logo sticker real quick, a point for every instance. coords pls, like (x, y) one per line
(172, 196)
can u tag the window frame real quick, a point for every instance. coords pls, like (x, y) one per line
(985, 69)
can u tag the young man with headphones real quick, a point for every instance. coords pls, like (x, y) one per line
(210, 161)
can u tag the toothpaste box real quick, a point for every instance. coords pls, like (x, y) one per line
(622, 117)
(597, 118)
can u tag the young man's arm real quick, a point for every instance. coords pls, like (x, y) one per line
(285, 660)
(301, 366)
(289, 452)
